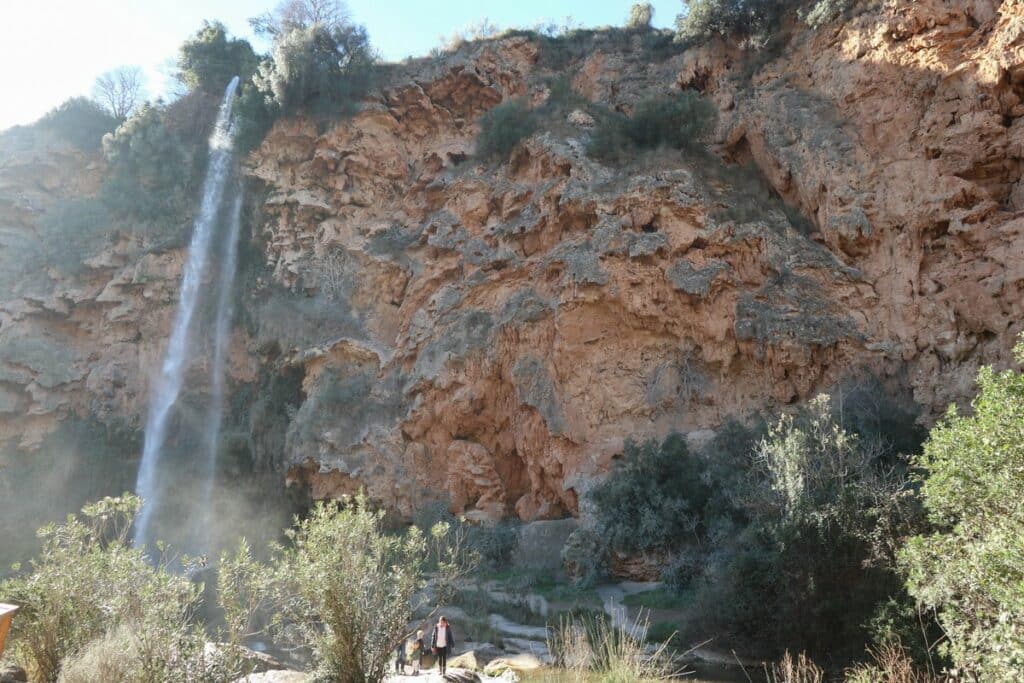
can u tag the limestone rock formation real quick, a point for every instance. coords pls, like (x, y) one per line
(428, 326)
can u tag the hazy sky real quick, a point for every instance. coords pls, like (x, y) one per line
(53, 49)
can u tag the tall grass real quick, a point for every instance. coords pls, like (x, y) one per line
(593, 649)
(891, 664)
(799, 669)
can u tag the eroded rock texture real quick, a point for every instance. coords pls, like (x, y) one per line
(432, 327)
(522, 319)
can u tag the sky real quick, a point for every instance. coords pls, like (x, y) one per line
(55, 49)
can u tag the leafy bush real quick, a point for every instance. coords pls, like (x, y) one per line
(255, 113)
(971, 570)
(209, 60)
(828, 510)
(87, 583)
(682, 570)
(318, 69)
(346, 589)
(781, 537)
(653, 498)
(681, 121)
(758, 20)
(81, 122)
(640, 16)
(729, 18)
(504, 127)
(153, 172)
(823, 12)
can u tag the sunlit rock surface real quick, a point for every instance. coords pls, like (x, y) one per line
(433, 328)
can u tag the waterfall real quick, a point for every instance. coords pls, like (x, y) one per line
(221, 339)
(167, 385)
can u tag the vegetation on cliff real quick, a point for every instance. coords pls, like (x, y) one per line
(753, 20)
(816, 531)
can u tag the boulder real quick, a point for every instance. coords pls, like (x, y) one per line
(12, 674)
(477, 658)
(540, 544)
(461, 676)
(519, 662)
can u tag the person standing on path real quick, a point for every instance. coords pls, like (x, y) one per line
(441, 642)
(417, 657)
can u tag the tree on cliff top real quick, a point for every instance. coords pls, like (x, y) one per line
(752, 19)
(209, 60)
(294, 14)
(640, 16)
(318, 69)
(119, 91)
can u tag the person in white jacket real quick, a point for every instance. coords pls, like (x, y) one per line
(441, 643)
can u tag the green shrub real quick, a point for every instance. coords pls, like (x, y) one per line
(504, 127)
(682, 570)
(346, 589)
(781, 537)
(153, 172)
(823, 12)
(81, 122)
(86, 583)
(653, 498)
(971, 570)
(729, 18)
(681, 121)
(640, 16)
(758, 20)
(610, 141)
(255, 113)
(826, 509)
(318, 69)
(209, 60)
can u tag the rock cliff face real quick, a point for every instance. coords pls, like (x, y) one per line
(432, 327)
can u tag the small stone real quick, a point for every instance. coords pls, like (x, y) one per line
(581, 119)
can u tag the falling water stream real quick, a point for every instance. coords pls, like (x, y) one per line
(167, 386)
